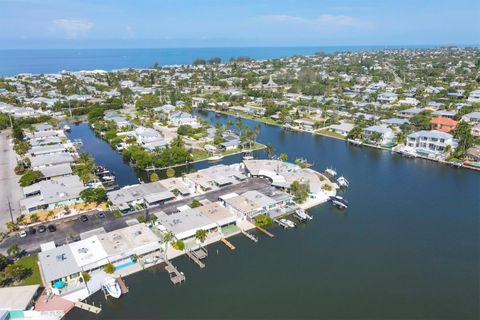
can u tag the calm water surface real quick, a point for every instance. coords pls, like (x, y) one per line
(406, 248)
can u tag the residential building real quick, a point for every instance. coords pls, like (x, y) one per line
(443, 124)
(433, 141)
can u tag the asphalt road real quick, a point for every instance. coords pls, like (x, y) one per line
(69, 229)
(10, 191)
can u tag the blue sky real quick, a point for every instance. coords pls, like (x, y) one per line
(219, 23)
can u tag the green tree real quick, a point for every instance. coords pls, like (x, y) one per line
(269, 150)
(300, 191)
(167, 237)
(30, 177)
(94, 195)
(463, 133)
(284, 157)
(195, 204)
(170, 172)
(154, 177)
(109, 268)
(201, 235)
(13, 250)
(3, 262)
(86, 276)
(179, 245)
(95, 114)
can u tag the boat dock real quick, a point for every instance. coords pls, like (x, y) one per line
(302, 215)
(228, 244)
(122, 285)
(282, 224)
(271, 235)
(250, 236)
(88, 307)
(175, 276)
(195, 258)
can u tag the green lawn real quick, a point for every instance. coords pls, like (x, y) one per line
(198, 154)
(31, 263)
(330, 134)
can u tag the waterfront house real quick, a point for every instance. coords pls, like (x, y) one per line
(385, 135)
(56, 171)
(53, 193)
(14, 300)
(433, 141)
(343, 128)
(443, 124)
(473, 154)
(47, 149)
(305, 123)
(46, 160)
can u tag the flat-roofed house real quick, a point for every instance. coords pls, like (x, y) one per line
(433, 141)
(46, 160)
(385, 134)
(53, 193)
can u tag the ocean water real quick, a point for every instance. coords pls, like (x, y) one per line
(13, 62)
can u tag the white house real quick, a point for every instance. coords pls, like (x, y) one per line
(431, 140)
(342, 128)
(472, 117)
(474, 96)
(387, 135)
(179, 118)
(387, 97)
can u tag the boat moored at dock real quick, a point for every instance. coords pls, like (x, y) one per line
(112, 287)
(339, 202)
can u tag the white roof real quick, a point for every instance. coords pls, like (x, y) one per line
(89, 252)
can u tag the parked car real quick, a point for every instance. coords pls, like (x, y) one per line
(42, 228)
(83, 218)
(100, 215)
(32, 230)
(23, 234)
(52, 228)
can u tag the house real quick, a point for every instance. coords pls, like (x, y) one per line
(395, 122)
(343, 128)
(443, 124)
(409, 113)
(387, 97)
(385, 134)
(474, 96)
(249, 204)
(53, 193)
(433, 141)
(473, 154)
(305, 123)
(46, 160)
(472, 117)
(444, 113)
(476, 130)
(18, 298)
(179, 118)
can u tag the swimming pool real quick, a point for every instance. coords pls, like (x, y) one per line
(124, 265)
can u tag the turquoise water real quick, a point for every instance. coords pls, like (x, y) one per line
(13, 62)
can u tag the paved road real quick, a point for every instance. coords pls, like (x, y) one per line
(71, 228)
(9, 188)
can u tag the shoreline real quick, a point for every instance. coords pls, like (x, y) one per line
(450, 164)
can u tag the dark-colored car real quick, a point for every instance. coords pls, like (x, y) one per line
(83, 218)
(52, 228)
(42, 228)
(100, 215)
(32, 230)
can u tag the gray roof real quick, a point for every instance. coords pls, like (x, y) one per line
(345, 127)
(135, 192)
(51, 159)
(17, 298)
(47, 149)
(56, 170)
(259, 198)
(430, 134)
(58, 263)
(395, 121)
(382, 129)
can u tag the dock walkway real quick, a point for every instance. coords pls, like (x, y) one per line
(122, 285)
(228, 244)
(271, 235)
(87, 307)
(195, 259)
(175, 276)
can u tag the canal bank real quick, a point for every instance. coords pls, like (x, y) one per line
(407, 247)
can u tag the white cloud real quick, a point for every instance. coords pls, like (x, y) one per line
(73, 28)
(324, 20)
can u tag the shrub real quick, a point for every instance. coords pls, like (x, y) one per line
(179, 245)
(263, 220)
(86, 276)
(109, 268)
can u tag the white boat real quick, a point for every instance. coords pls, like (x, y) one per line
(342, 182)
(215, 158)
(355, 142)
(288, 223)
(331, 172)
(248, 158)
(66, 127)
(112, 287)
(339, 202)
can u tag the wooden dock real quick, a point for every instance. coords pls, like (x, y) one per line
(228, 244)
(195, 259)
(175, 276)
(87, 307)
(265, 231)
(122, 285)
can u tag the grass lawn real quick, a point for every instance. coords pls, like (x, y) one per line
(330, 134)
(198, 154)
(31, 263)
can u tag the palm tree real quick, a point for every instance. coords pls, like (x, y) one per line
(13, 250)
(269, 150)
(167, 237)
(201, 235)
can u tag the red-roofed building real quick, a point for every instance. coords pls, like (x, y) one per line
(443, 124)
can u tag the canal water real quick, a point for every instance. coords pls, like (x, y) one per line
(406, 248)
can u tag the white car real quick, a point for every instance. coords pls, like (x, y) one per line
(23, 234)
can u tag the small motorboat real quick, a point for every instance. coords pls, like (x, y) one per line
(248, 158)
(339, 202)
(215, 158)
(112, 287)
(67, 128)
(330, 172)
(288, 223)
(342, 182)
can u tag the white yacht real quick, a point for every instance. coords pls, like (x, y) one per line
(112, 287)
(66, 128)
(215, 158)
(288, 223)
(342, 182)
(332, 173)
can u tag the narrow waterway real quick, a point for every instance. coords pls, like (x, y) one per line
(407, 247)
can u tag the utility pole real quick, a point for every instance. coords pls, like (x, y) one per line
(10, 209)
